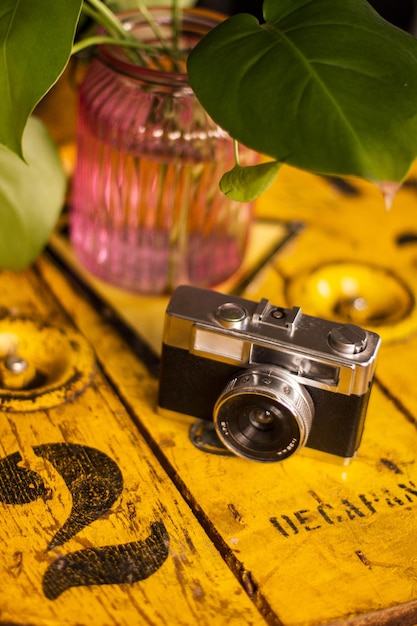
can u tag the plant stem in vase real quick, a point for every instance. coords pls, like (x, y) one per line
(147, 214)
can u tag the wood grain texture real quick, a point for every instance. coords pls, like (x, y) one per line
(93, 531)
(316, 543)
(338, 538)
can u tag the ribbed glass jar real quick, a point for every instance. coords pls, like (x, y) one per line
(147, 214)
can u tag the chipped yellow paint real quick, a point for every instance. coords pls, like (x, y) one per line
(56, 364)
(314, 542)
(92, 529)
(311, 543)
(347, 261)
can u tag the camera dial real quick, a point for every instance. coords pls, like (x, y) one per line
(348, 339)
(263, 414)
(231, 315)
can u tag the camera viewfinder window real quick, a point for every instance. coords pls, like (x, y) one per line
(216, 345)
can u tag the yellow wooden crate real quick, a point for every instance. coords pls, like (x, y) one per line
(315, 542)
(190, 537)
(93, 531)
(309, 543)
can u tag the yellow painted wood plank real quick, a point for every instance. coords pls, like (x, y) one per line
(92, 529)
(351, 247)
(351, 206)
(351, 244)
(303, 527)
(317, 542)
(320, 543)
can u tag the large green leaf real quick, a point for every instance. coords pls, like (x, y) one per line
(324, 85)
(31, 197)
(35, 44)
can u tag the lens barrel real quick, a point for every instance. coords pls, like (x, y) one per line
(263, 414)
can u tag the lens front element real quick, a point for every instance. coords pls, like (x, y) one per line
(263, 414)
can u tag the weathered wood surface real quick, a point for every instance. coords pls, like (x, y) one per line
(316, 543)
(311, 543)
(111, 516)
(93, 531)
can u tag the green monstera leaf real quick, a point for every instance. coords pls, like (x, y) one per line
(31, 197)
(324, 85)
(35, 40)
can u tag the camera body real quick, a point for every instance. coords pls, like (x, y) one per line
(272, 379)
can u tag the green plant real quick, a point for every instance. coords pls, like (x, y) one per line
(325, 85)
(37, 41)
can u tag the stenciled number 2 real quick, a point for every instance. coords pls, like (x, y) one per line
(95, 482)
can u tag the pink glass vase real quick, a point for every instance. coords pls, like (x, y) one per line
(147, 214)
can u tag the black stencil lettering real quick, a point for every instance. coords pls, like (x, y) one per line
(375, 497)
(95, 482)
(323, 513)
(301, 516)
(409, 490)
(19, 485)
(352, 510)
(275, 523)
(110, 565)
(93, 479)
(290, 524)
(392, 500)
(367, 503)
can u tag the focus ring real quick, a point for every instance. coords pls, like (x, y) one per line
(255, 387)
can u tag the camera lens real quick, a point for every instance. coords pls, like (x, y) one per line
(263, 414)
(261, 418)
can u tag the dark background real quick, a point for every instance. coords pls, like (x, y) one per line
(398, 12)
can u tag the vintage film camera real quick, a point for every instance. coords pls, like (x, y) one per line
(270, 378)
